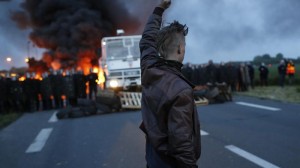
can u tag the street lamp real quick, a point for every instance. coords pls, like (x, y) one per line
(26, 60)
(8, 59)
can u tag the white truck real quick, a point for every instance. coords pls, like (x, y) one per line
(120, 62)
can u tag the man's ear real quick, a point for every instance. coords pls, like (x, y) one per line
(178, 50)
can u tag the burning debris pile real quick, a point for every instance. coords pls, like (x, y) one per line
(71, 30)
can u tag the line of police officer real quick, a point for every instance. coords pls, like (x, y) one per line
(47, 93)
(237, 77)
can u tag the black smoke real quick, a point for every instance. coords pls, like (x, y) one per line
(71, 30)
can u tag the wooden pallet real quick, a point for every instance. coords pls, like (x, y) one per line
(131, 100)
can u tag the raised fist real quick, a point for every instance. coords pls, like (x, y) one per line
(165, 4)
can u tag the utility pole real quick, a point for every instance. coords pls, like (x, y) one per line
(28, 49)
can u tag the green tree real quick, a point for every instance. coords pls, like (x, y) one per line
(279, 57)
(257, 60)
(266, 57)
(297, 60)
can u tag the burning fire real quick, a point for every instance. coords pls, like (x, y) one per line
(22, 78)
(55, 65)
(95, 70)
(38, 77)
(100, 72)
(101, 78)
(87, 63)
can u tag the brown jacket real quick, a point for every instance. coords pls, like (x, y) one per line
(170, 118)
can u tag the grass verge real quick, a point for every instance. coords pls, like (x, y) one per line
(289, 94)
(6, 119)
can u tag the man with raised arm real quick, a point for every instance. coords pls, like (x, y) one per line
(170, 119)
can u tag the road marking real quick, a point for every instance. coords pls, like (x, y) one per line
(258, 106)
(39, 141)
(53, 118)
(203, 133)
(250, 157)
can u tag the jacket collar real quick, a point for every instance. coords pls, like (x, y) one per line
(175, 64)
(175, 67)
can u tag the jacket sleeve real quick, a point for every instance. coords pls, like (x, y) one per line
(148, 47)
(181, 130)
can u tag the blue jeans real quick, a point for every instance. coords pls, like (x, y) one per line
(153, 159)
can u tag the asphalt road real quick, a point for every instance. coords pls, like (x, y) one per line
(245, 133)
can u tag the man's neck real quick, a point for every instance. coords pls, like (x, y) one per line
(174, 63)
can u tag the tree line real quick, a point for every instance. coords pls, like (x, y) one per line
(268, 59)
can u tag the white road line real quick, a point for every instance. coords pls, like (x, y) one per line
(53, 118)
(39, 141)
(250, 157)
(203, 133)
(258, 106)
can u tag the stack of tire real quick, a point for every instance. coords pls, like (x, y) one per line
(83, 108)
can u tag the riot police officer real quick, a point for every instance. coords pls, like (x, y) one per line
(46, 92)
(92, 79)
(80, 84)
(56, 80)
(69, 88)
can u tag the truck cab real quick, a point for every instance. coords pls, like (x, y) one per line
(121, 62)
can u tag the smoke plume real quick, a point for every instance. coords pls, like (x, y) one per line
(71, 30)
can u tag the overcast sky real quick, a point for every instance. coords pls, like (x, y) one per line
(231, 30)
(221, 30)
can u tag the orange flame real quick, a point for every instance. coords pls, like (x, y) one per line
(85, 61)
(21, 79)
(95, 70)
(55, 65)
(38, 77)
(63, 97)
(101, 78)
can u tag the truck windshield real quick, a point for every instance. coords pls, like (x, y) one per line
(122, 48)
